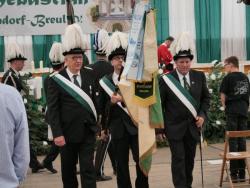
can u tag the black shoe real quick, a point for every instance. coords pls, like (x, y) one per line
(242, 175)
(103, 178)
(37, 168)
(50, 168)
(234, 179)
(242, 178)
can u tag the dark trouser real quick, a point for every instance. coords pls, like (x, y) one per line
(104, 146)
(237, 123)
(34, 163)
(183, 154)
(51, 156)
(70, 153)
(121, 148)
(111, 153)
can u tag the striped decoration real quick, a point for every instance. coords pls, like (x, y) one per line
(36, 48)
(41, 48)
(207, 14)
(233, 29)
(162, 20)
(220, 28)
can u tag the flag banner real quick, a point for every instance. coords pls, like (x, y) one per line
(127, 90)
(155, 110)
(147, 143)
(150, 47)
(144, 93)
(138, 84)
(133, 69)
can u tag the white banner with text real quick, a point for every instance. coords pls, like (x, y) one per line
(42, 17)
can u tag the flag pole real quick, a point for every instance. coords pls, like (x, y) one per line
(201, 157)
(70, 12)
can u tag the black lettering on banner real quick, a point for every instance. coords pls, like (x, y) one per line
(11, 2)
(45, 2)
(2, 2)
(21, 2)
(144, 89)
(36, 2)
(39, 20)
(11, 20)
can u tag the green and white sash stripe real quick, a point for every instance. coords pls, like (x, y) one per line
(181, 93)
(76, 93)
(109, 88)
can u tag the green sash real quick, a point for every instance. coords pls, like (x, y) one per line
(109, 88)
(77, 93)
(181, 93)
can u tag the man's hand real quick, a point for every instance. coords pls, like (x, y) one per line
(116, 98)
(104, 135)
(199, 121)
(59, 141)
(160, 137)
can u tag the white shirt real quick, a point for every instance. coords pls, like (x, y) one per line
(16, 72)
(71, 76)
(181, 78)
(115, 78)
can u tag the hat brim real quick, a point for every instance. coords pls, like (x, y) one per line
(17, 58)
(118, 51)
(100, 53)
(190, 56)
(74, 51)
(56, 63)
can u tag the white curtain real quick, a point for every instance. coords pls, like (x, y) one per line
(25, 43)
(181, 18)
(233, 29)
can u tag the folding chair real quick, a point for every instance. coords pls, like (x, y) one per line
(227, 156)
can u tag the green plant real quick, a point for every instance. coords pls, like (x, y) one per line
(214, 129)
(36, 117)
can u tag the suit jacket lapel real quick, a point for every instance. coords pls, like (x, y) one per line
(65, 74)
(84, 87)
(192, 78)
(193, 83)
(174, 73)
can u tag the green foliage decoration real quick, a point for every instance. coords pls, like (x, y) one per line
(214, 129)
(36, 117)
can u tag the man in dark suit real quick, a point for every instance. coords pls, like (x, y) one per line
(57, 63)
(12, 77)
(101, 68)
(72, 114)
(183, 119)
(123, 131)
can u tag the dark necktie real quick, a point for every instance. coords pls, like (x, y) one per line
(75, 80)
(186, 85)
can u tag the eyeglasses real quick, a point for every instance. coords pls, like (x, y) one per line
(119, 57)
(76, 57)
